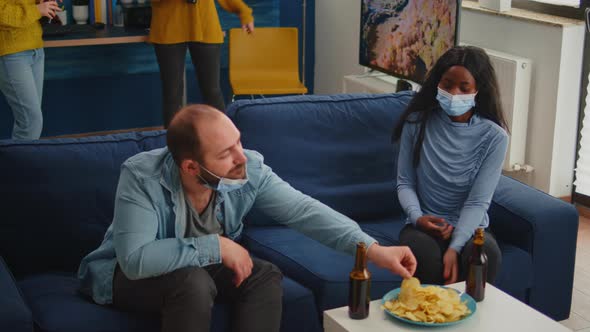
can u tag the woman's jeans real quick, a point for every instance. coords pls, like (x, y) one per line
(21, 82)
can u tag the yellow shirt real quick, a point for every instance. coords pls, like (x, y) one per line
(176, 21)
(20, 29)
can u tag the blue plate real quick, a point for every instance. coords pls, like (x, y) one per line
(392, 295)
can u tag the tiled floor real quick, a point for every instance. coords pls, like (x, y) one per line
(580, 317)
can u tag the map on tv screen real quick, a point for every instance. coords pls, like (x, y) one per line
(404, 38)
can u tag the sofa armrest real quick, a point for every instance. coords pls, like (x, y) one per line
(545, 227)
(15, 316)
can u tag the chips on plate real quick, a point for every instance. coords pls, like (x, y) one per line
(429, 304)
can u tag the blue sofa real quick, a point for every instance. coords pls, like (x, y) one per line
(57, 201)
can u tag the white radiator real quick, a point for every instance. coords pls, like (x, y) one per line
(514, 79)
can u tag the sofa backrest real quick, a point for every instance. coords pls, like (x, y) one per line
(336, 149)
(57, 196)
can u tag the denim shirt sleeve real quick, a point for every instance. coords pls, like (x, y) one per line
(140, 253)
(480, 196)
(290, 207)
(406, 176)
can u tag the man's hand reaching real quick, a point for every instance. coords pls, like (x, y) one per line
(398, 260)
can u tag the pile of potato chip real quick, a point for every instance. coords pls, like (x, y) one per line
(430, 304)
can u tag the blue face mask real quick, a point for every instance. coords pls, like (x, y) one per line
(225, 185)
(455, 105)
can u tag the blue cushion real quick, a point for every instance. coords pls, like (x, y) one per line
(305, 259)
(516, 273)
(317, 267)
(15, 316)
(58, 196)
(336, 149)
(385, 231)
(539, 223)
(300, 313)
(57, 307)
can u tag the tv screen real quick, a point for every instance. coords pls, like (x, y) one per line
(404, 38)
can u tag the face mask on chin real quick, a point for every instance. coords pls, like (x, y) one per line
(224, 185)
(455, 105)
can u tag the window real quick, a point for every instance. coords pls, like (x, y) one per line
(569, 3)
(565, 8)
(582, 171)
(583, 165)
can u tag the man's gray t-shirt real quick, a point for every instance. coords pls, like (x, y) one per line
(204, 224)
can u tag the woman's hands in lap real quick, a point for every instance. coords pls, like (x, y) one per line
(435, 226)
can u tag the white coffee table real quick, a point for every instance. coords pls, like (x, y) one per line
(498, 312)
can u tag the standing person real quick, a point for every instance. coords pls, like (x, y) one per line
(178, 25)
(22, 62)
(452, 146)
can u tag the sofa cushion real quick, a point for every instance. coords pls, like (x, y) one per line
(58, 196)
(15, 316)
(304, 260)
(336, 149)
(300, 313)
(515, 276)
(319, 268)
(516, 273)
(57, 307)
(385, 231)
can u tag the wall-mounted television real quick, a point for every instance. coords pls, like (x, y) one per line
(404, 38)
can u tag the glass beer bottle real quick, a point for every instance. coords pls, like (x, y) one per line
(475, 285)
(359, 289)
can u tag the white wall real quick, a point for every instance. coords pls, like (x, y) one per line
(564, 144)
(337, 28)
(556, 53)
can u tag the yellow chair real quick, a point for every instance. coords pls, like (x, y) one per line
(265, 62)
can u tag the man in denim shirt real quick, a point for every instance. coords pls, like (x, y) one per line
(172, 249)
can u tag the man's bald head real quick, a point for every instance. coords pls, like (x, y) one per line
(184, 132)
